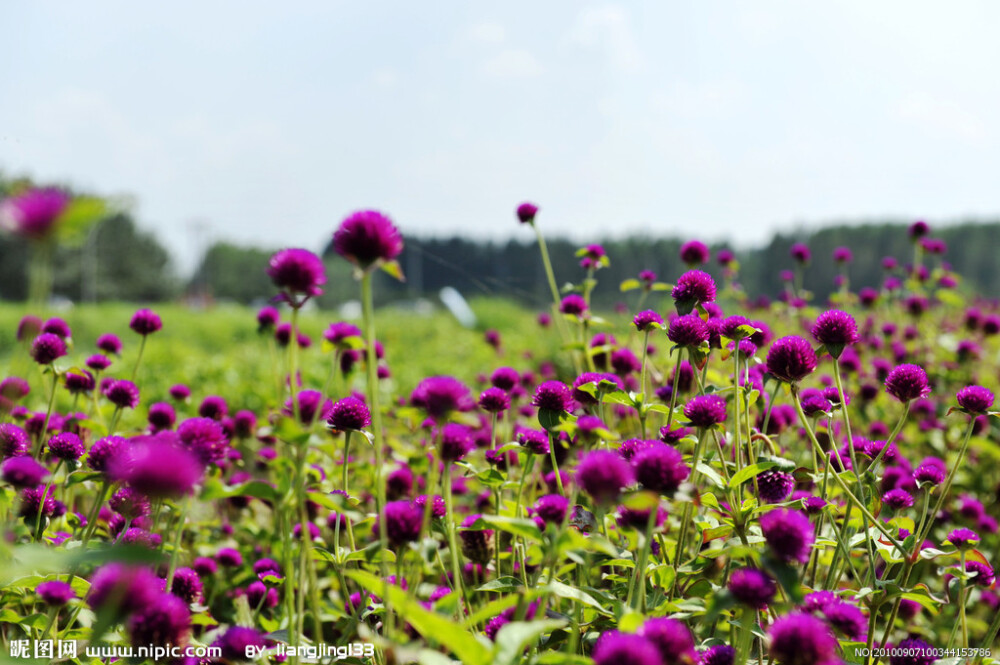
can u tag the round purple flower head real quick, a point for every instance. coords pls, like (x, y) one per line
(573, 304)
(660, 468)
(297, 271)
(534, 440)
(440, 395)
(672, 639)
(235, 641)
(35, 500)
(66, 446)
(788, 533)
(775, 486)
(57, 326)
(553, 396)
(476, 545)
(752, 587)
(919, 229)
(802, 639)
(790, 359)
(616, 648)
(122, 393)
(526, 213)
(907, 382)
(975, 400)
(551, 508)
(109, 343)
(161, 416)
(349, 413)
(205, 438)
(311, 406)
(187, 586)
(55, 593)
(23, 472)
(80, 382)
(165, 621)
(693, 288)
(800, 253)
(705, 411)
(145, 322)
(157, 466)
(494, 400)
(367, 236)
(984, 573)
(504, 378)
(688, 331)
(720, 654)
(126, 588)
(267, 319)
(104, 451)
(963, 538)
(402, 522)
(836, 329)
(47, 347)
(180, 392)
(14, 441)
(898, 499)
(694, 253)
(912, 651)
(647, 320)
(34, 213)
(603, 475)
(456, 442)
(842, 255)
(14, 388)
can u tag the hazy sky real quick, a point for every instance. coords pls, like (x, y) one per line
(270, 121)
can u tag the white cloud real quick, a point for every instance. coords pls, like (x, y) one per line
(513, 63)
(609, 30)
(487, 33)
(943, 118)
(385, 78)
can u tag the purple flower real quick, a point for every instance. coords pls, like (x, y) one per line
(846, 619)
(695, 252)
(267, 319)
(66, 446)
(800, 253)
(229, 557)
(440, 395)
(672, 639)
(693, 288)
(35, 500)
(311, 407)
(47, 347)
(647, 320)
(801, 639)
(842, 255)
(975, 399)
(688, 331)
(55, 593)
(80, 382)
(603, 475)
(919, 229)
(913, 651)
(402, 522)
(180, 392)
(157, 466)
(122, 393)
(34, 213)
(752, 587)
(145, 322)
(720, 654)
(235, 641)
(984, 573)
(456, 442)
(109, 343)
(963, 538)
(213, 407)
(534, 440)
(788, 533)
(775, 486)
(161, 416)
(526, 213)
(476, 545)
(705, 411)
(835, 330)
(585, 397)
(616, 648)
(438, 507)
(187, 586)
(104, 451)
(931, 470)
(660, 468)
(898, 499)
(126, 588)
(14, 388)
(504, 378)
(551, 508)
(165, 621)
(907, 382)
(349, 413)
(494, 400)
(573, 304)
(129, 503)
(790, 359)
(593, 257)
(23, 472)
(244, 423)
(553, 396)
(297, 271)
(203, 437)
(367, 236)
(14, 441)
(57, 326)
(638, 518)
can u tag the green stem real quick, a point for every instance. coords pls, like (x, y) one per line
(138, 359)
(48, 414)
(674, 390)
(638, 585)
(456, 569)
(178, 537)
(555, 465)
(41, 504)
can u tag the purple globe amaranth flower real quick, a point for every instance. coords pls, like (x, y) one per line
(504, 378)
(791, 359)
(367, 236)
(438, 506)
(647, 320)
(440, 395)
(615, 648)
(14, 441)
(187, 586)
(47, 347)
(585, 397)
(551, 508)
(705, 411)
(603, 475)
(109, 343)
(14, 388)
(66, 446)
(573, 304)
(161, 416)
(593, 257)
(660, 468)
(789, 534)
(125, 588)
(205, 438)
(672, 639)
(695, 252)
(297, 271)
(898, 499)
(402, 522)
(145, 322)
(23, 471)
(842, 255)
(688, 330)
(553, 396)
(35, 500)
(57, 326)
(775, 486)
(79, 382)
(494, 400)
(122, 393)
(34, 213)
(919, 229)
(537, 442)
(963, 538)
(244, 423)
(309, 405)
(913, 651)
(975, 400)
(984, 573)
(455, 442)
(229, 557)
(907, 382)
(800, 252)
(235, 643)
(638, 518)
(693, 288)
(476, 545)
(213, 407)
(801, 639)
(55, 593)
(104, 451)
(720, 654)
(165, 621)
(129, 503)
(752, 587)
(158, 466)
(526, 213)
(836, 329)
(349, 413)
(267, 318)
(98, 362)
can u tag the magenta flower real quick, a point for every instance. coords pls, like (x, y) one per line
(800, 253)
(788, 533)
(672, 639)
(688, 331)
(402, 521)
(122, 393)
(694, 253)
(842, 255)
(125, 588)
(366, 237)
(693, 288)
(615, 648)
(963, 538)
(975, 400)
(835, 330)
(919, 229)
(349, 413)
(145, 322)
(775, 486)
(66, 446)
(553, 396)
(802, 639)
(297, 271)
(494, 400)
(526, 213)
(573, 304)
(551, 508)
(165, 621)
(907, 382)
(14, 441)
(34, 213)
(440, 395)
(647, 320)
(47, 347)
(660, 468)
(752, 587)
(23, 472)
(455, 442)
(706, 411)
(205, 438)
(790, 359)
(603, 475)
(55, 593)
(158, 466)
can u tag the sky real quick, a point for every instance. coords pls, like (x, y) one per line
(266, 123)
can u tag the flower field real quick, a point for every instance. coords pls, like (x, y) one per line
(700, 477)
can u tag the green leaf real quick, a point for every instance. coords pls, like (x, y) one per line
(553, 421)
(519, 526)
(76, 221)
(430, 625)
(748, 472)
(514, 637)
(629, 284)
(393, 269)
(572, 593)
(505, 584)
